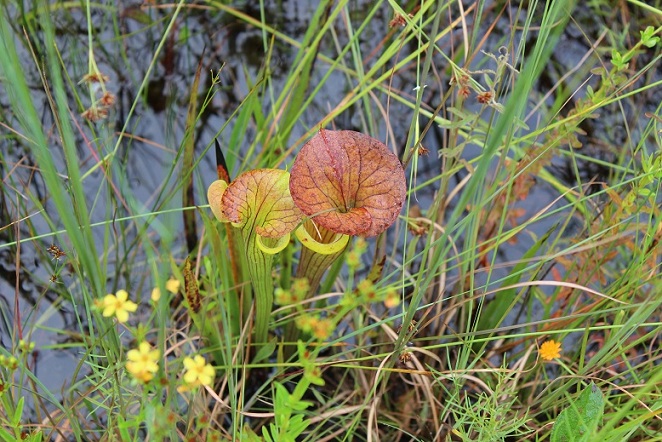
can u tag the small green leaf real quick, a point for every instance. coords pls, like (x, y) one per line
(648, 37)
(618, 60)
(652, 42)
(18, 412)
(299, 405)
(645, 192)
(599, 71)
(488, 81)
(580, 420)
(184, 35)
(265, 351)
(6, 436)
(297, 426)
(265, 433)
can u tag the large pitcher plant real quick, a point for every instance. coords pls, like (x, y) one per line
(342, 183)
(348, 184)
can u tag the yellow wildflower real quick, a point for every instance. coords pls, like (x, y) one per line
(142, 363)
(198, 372)
(550, 350)
(171, 285)
(118, 305)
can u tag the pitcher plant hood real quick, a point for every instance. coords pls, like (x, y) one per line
(348, 182)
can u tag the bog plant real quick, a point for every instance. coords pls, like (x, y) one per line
(342, 183)
(489, 313)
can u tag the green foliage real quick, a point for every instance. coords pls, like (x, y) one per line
(289, 418)
(532, 215)
(12, 429)
(288, 423)
(648, 37)
(620, 61)
(483, 417)
(582, 417)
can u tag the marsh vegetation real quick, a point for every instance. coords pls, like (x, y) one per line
(508, 289)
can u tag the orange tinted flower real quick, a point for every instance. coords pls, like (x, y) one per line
(550, 350)
(485, 97)
(391, 300)
(107, 99)
(323, 329)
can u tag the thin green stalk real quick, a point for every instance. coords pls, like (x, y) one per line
(259, 268)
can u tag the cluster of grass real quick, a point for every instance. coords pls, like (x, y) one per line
(484, 272)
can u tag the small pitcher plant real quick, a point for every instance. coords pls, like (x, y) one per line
(258, 203)
(343, 183)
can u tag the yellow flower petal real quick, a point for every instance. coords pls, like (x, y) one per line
(109, 300)
(189, 363)
(209, 371)
(190, 377)
(144, 347)
(130, 306)
(144, 376)
(150, 366)
(204, 380)
(122, 295)
(133, 367)
(122, 315)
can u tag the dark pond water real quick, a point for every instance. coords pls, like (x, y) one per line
(226, 44)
